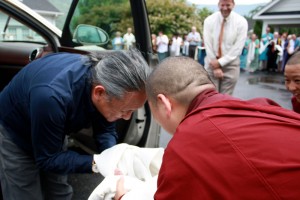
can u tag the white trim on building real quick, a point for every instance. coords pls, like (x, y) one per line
(280, 13)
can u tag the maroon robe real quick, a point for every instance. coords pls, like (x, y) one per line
(296, 105)
(232, 149)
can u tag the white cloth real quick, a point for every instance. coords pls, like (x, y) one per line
(129, 40)
(291, 47)
(251, 52)
(263, 46)
(162, 44)
(185, 48)
(139, 165)
(175, 47)
(234, 37)
(137, 189)
(280, 50)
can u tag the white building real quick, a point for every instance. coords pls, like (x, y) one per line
(279, 13)
(17, 31)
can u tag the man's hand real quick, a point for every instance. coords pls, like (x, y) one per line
(214, 64)
(218, 73)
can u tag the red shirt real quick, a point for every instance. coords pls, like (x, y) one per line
(232, 149)
(296, 105)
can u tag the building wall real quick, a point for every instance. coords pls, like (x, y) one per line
(20, 32)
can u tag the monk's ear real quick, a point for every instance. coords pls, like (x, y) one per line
(165, 103)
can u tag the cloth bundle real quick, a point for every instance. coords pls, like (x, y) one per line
(140, 167)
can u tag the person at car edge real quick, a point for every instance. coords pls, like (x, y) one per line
(222, 147)
(52, 97)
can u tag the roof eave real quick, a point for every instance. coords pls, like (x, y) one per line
(262, 17)
(265, 9)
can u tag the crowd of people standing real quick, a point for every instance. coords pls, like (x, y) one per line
(270, 53)
(186, 45)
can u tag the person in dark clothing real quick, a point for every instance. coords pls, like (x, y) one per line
(272, 57)
(52, 97)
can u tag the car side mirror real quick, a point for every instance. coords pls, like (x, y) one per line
(90, 35)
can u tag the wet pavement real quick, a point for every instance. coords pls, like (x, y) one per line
(250, 85)
(263, 84)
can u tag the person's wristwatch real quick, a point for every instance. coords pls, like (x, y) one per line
(94, 167)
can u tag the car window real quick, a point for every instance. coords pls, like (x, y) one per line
(112, 16)
(13, 31)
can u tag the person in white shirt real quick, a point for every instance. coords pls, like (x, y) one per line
(194, 40)
(283, 40)
(162, 42)
(176, 45)
(185, 47)
(224, 69)
(129, 39)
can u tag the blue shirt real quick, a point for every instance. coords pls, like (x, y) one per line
(47, 100)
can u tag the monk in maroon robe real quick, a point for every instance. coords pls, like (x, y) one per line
(222, 147)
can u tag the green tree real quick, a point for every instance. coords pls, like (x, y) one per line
(110, 15)
(171, 16)
(203, 13)
(257, 28)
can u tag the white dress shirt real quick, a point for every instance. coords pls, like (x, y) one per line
(129, 40)
(194, 38)
(234, 36)
(162, 44)
(176, 44)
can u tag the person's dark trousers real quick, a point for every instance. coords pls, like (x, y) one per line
(18, 169)
(192, 49)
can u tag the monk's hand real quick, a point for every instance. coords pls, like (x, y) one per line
(121, 191)
(218, 73)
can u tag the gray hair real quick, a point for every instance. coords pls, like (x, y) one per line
(120, 72)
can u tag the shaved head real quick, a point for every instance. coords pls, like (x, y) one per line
(179, 78)
(295, 59)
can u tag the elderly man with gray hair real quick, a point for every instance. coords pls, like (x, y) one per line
(57, 95)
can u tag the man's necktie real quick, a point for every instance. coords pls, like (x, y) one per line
(221, 38)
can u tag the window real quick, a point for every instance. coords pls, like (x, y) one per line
(114, 17)
(13, 30)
